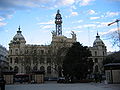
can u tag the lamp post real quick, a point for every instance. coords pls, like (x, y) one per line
(111, 74)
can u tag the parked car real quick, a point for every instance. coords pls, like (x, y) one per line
(53, 79)
(61, 80)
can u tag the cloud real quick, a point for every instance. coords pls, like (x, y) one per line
(85, 2)
(78, 21)
(64, 2)
(91, 12)
(46, 26)
(74, 14)
(8, 7)
(68, 32)
(2, 24)
(112, 14)
(49, 22)
(109, 32)
(93, 18)
(89, 25)
(1, 18)
(115, 0)
(101, 24)
(73, 7)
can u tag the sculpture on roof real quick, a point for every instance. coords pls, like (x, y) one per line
(73, 35)
(53, 33)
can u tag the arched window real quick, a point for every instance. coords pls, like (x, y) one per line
(35, 68)
(16, 69)
(49, 70)
(28, 69)
(42, 68)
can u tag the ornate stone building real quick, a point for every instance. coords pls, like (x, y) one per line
(25, 58)
(99, 52)
(3, 59)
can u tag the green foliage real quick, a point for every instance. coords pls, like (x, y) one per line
(112, 58)
(76, 61)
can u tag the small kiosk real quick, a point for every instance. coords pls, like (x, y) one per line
(9, 76)
(38, 76)
(112, 72)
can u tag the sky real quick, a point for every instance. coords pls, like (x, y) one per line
(36, 19)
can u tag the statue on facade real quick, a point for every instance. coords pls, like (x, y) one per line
(73, 35)
(53, 33)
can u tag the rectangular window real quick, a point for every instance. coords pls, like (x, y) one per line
(96, 60)
(16, 60)
(10, 60)
(16, 51)
(42, 60)
(95, 53)
(10, 51)
(103, 53)
(48, 60)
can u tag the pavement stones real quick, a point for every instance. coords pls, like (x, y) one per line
(56, 86)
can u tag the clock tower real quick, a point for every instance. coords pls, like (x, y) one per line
(58, 22)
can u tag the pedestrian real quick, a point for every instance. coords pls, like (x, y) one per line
(96, 77)
(100, 78)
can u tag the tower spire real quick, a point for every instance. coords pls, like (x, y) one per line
(58, 22)
(97, 35)
(19, 29)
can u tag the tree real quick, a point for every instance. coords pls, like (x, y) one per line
(56, 55)
(112, 58)
(115, 39)
(76, 61)
(116, 35)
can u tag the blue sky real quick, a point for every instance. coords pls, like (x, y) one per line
(36, 18)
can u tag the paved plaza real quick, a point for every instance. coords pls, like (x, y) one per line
(55, 86)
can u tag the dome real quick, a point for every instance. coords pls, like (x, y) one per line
(19, 36)
(98, 41)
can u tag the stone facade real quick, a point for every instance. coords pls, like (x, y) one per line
(99, 52)
(25, 58)
(3, 59)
